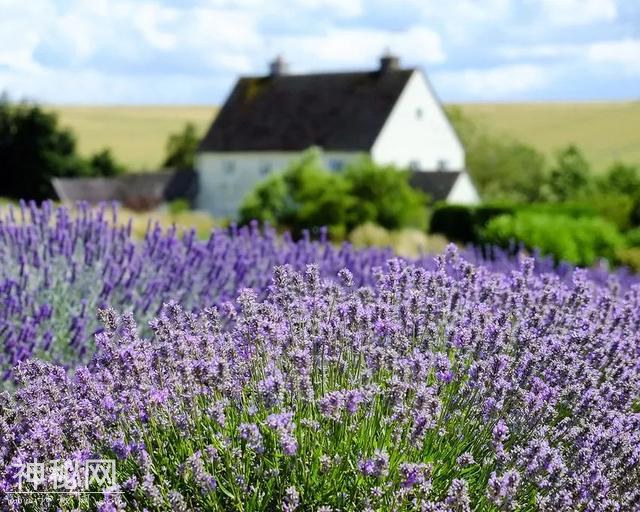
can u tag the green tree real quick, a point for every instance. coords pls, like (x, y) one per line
(621, 178)
(382, 195)
(307, 196)
(570, 176)
(34, 149)
(501, 168)
(104, 164)
(506, 169)
(181, 148)
(304, 196)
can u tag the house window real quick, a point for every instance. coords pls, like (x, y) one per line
(442, 165)
(229, 166)
(265, 169)
(418, 113)
(335, 164)
(414, 165)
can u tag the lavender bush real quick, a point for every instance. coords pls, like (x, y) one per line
(58, 267)
(446, 386)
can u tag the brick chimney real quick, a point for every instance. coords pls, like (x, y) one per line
(389, 62)
(278, 67)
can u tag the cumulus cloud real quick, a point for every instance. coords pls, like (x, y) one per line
(506, 82)
(624, 54)
(579, 12)
(192, 50)
(360, 47)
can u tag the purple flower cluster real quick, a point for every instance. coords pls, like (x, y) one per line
(58, 266)
(432, 385)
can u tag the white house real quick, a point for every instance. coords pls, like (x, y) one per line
(390, 113)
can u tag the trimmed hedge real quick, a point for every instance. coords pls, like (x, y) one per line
(464, 224)
(578, 240)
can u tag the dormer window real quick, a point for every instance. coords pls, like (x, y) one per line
(414, 165)
(442, 165)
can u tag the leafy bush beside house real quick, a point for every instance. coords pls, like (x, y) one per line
(307, 196)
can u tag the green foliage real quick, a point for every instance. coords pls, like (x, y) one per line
(581, 241)
(570, 176)
(181, 148)
(614, 207)
(622, 179)
(382, 195)
(462, 223)
(629, 257)
(406, 242)
(456, 222)
(178, 206)
(306, 196)
(633, 237)
(34, 149)
(501, 168)
(104, 164)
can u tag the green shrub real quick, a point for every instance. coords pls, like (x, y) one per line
(406, 242)
(629, 257)
(462, 223)
(614, 207)
(570, 176)
(178, 206)
(382, 195)
(502, 168)
(581, 240)
(456, 222)
(633, 237)
(568, 209)
(621, 178)
(307, 196)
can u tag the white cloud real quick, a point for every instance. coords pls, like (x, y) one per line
(624, 54)
(341, 8)
(578, 12)
(129, 50)
(149, 19)
(540, 51)
(360, 47)
(500, 82)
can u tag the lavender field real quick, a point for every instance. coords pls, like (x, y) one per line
(253, 372)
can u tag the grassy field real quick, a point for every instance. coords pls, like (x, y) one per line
(605, 131)
(136, 134)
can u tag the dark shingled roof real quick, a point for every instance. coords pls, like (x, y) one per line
(139, 191)
(437, 184)
(335, 111)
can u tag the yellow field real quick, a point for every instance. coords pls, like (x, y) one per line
(605, 131)
(136, 134)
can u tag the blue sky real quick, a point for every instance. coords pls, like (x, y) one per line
(191, 51)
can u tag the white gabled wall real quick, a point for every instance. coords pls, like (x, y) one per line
(226, 178)
(418, 130)
(463, 191)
